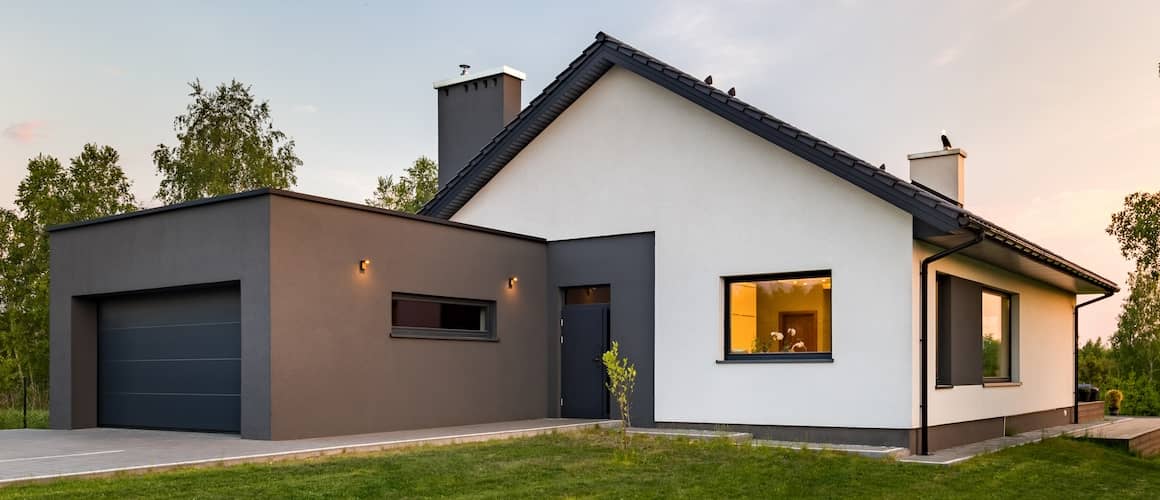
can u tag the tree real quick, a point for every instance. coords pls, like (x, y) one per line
(411, 191)
(1136, 343)
(1137, 228)
(93, 185)
(1095, 363)
(226, 143)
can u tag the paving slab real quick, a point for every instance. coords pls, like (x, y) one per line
(31, 455)
(853, 449)
(951, 456)
(736, 437)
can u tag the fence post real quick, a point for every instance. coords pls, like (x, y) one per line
(24, 382)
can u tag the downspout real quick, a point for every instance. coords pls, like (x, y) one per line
(924, 328)
(1075, 357)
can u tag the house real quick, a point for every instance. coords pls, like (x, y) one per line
(759, 278)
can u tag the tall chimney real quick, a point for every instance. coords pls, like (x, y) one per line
(473, 107)
(940, 171)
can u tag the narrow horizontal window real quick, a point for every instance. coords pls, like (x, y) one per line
(774, 316)
(419, 316)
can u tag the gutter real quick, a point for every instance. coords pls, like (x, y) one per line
(1075, 356)
(922, 337)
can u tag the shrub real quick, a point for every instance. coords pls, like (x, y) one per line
(621, 380)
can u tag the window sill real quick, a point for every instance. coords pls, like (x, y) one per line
(775, 360)
(943, 386)
(440, 335)
(1002, 384)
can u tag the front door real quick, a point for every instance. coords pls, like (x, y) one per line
(584, 339)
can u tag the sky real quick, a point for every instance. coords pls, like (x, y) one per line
(1056, 103)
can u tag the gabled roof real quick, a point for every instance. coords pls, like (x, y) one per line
(934, 216)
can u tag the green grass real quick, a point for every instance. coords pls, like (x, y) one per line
(13, 418)
(589, 465)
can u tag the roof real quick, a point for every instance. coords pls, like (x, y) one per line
(935, 217)
(285, 194)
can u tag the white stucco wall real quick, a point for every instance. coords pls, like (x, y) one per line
(629, 156)
(1041, 355)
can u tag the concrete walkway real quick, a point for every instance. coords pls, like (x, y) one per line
(29, 455)
(951, 456)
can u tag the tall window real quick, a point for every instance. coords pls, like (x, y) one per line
(778, 316)
(419, 316)
(996, 336)
(975, 339)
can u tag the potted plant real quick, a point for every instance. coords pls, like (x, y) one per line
(1115, 397)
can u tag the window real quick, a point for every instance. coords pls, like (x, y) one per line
(418, 316)
(782, 316)
(975, 338)
(996, 336)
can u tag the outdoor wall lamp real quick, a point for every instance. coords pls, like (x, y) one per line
(512, 281)
(363, 265)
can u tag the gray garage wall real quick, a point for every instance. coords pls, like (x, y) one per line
(222, 240)
(335, 368)
(626, 262)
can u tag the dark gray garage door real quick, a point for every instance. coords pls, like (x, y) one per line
(171, 360)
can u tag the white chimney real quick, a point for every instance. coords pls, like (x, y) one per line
(940, 171)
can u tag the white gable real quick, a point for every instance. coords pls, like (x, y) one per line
(629, 156)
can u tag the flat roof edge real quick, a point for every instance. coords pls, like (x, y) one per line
(294, 195)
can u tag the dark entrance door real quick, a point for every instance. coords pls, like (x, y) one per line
(170, 360)
(585, 338)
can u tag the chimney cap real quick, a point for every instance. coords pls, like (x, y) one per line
(502, 70)
(942, 152)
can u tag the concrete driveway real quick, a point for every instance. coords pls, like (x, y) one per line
(28, 455)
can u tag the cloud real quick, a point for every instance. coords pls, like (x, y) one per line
(305, 108)
(1013, 8)
(947, 56)
(24, 132)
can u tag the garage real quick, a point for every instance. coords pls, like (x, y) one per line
(170, 359)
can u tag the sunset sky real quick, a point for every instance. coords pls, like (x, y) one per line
(1057, 103)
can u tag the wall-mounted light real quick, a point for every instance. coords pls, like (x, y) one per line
(512, 281)
(363, 265)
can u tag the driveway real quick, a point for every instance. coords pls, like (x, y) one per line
(37, 455)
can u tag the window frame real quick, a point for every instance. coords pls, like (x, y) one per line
(773, 357)
(489, 333)
(1010, 297)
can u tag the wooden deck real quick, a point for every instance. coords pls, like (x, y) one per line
(1139, 435)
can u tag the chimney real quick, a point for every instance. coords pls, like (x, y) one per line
(473, 107)
(940, 171)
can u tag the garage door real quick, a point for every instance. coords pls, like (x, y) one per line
(171, 360)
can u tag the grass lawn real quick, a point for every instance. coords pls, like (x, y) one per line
(13, 418)
(588, 465)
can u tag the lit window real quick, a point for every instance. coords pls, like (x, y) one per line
(996, 336)
(417, 316)
(772, 316)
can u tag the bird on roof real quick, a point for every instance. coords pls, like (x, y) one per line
(946, 142)
(709, 80)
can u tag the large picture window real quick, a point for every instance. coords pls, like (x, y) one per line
(778, 316)
(419, 316)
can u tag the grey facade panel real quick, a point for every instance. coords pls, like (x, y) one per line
(627, 264)
(208, 242)
(336, 368)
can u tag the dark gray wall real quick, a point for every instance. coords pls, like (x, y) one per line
(335, 368)
(225, 241)
(470, 114)
(626, 262)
